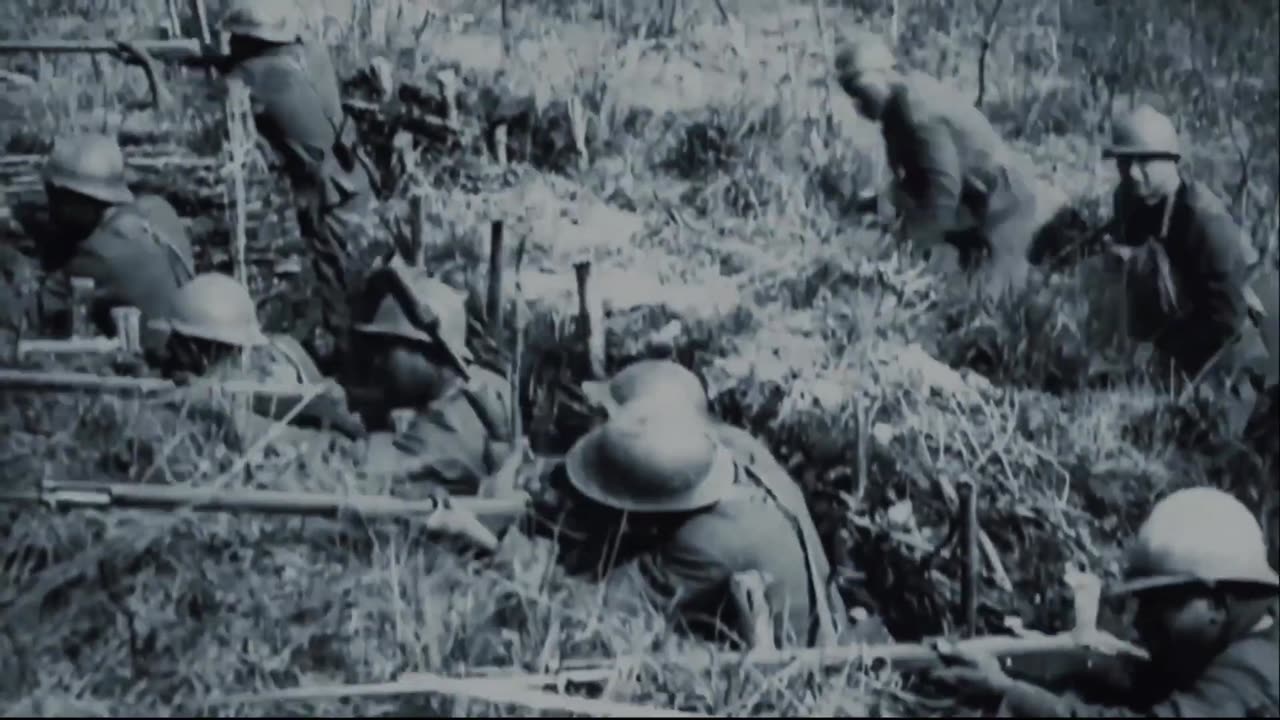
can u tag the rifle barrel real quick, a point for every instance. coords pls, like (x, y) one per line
(901, 656)
(11, 379)
(72, 382)
(178, 46)
(165, 497)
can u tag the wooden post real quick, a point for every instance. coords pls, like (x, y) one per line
(418, 211)
(969, 553)
(500, 144)
(506, 30)
(590, 321)
(493, 303)
(81, 299)
(128, 326)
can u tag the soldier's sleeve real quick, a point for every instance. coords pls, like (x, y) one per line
(439, 454)
(1217, 303)
(689, 581)
(288, 113)
(1220, 692)
(936, 181)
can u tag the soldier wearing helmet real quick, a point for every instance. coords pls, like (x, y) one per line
(413, 335)
(1188, 282)
(135, 249)
(963, 193)
(298, 109)
(654, 493)
(1199, 574)
(214, 321)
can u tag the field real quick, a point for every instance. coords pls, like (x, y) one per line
(711, 183)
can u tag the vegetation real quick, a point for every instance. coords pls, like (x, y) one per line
(716, 136)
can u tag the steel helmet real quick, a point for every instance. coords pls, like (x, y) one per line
(91, 165)
(1198, 535)
(1145, 132)
(213, 306)
(649, 459)
(662, 382)
(436, 302)
(863, 52)
(274, 21)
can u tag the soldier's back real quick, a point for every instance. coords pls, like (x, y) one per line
(139, 255)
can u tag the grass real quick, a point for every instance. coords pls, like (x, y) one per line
(726, 151)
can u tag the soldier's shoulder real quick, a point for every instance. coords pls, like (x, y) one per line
(922, 97)
(1205, 201)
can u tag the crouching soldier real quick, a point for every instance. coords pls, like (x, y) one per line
(214, 322)
(664, 384)
(1187, 264)
(957, 183)
(135, 249)
(414, 337)
(1199, 574)
(653, 493)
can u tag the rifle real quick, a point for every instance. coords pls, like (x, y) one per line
(11, 379)
(1085, 638)
(181, 49)
(458, 515)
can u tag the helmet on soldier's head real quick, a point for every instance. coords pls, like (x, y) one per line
(1198, 535)
(651, 459)
(91, 165)
(216, 307)
(273, 21)
(1145, 132)
(435, 301)
(661, 382)
(861, 52)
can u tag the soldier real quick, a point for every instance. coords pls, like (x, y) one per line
(298, 110)
(1187, 281)
(415, 340)
(960, 183)
(667, 385)
(214, 321)
(1199, 574)
(653, 492)
(135, 249)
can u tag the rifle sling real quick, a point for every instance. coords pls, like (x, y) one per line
(822, 624)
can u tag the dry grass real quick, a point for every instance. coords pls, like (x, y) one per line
(730, 159)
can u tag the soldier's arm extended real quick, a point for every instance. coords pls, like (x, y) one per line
(935, 180)
(1220, 692)
(1217, 303)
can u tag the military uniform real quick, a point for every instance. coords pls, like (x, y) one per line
(1199, 571)
(461, 436)
(1243, 681)
(215, 308)
(1200, 308)
(298, 109)
(690, 528)
(139, 254)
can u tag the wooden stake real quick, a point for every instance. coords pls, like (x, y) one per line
(418, 210)
(500, 144)
(81, 299)
(590, 321)
(493, 303)
(969, 549)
